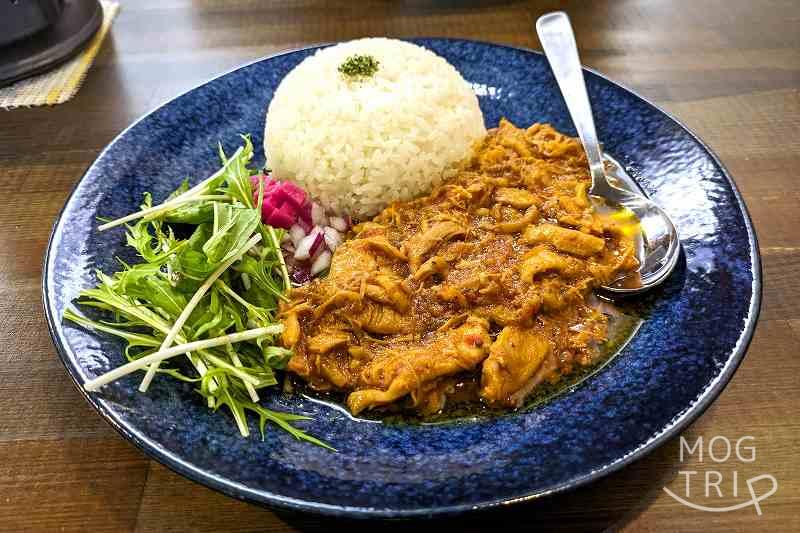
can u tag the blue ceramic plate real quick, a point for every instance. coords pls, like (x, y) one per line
(694, 337)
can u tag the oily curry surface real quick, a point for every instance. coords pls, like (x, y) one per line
(486, 280)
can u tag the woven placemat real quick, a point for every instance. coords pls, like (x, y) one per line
(60, 84)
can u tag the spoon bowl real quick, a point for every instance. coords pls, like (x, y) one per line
(658, 245)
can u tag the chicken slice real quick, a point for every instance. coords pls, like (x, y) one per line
(331, 369)
(420, 244)
(519, 198)
(435, 265)
(530, 216)
(432, 397)
(400, 371)
(291, 324)
(517, 145)
(340, 298)
(291, 330)
(564, 239)
(514, 358)
(376, 318)
(388, 290)
(351, 256)
(540, 259)
(327, 340)
(382, 244)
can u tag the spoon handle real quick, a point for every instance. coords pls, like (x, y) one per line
(558, 42)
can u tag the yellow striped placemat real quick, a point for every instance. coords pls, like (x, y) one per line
(59, 85)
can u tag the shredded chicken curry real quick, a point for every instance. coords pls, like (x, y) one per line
(486, 280)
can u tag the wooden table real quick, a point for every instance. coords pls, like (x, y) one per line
(729, 70)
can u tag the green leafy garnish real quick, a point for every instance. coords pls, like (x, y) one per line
(210, 296)
(359, 66)
(233, 226)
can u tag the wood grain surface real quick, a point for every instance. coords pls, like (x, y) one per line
(730, 70)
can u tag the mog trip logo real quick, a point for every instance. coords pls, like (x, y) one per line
(712, 483)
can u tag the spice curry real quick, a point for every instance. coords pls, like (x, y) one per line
(486, 280)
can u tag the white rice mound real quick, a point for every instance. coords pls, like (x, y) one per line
(356, 146)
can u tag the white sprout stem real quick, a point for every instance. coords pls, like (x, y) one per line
(194, 191)
(244, 376)
(164, 328)
(230, 292)
(237, 416)
(162, 208)
(197, 361)
(184, 316)
(284, 271)
(251, 390)
(139, 364)
(202, 369)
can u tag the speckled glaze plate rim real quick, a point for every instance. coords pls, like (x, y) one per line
(261, 497)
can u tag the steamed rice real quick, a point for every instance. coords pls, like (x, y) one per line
(356, 146)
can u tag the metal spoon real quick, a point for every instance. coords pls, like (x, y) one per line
(658, 246)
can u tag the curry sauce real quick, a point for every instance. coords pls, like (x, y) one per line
(487, 281)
